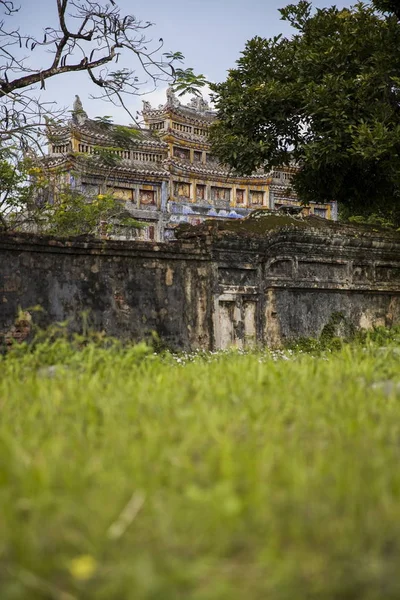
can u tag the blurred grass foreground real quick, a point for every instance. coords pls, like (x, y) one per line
(131, 475)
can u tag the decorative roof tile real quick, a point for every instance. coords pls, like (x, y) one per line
(124, 168)
(97, 133)
(212, 169)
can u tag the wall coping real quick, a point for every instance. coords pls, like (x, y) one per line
(203, 247)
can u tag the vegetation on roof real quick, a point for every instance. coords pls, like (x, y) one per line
(261, 222)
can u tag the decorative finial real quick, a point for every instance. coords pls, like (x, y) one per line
(172, 100)
(146, 105)
(79, 116)
(198, 103)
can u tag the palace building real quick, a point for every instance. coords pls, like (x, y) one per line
(165, 172)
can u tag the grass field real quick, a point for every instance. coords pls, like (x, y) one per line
(129, 475)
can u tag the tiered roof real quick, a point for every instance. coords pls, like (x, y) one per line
(197, 111)
(146, 152)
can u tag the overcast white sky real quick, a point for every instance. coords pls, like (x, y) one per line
(210, 33)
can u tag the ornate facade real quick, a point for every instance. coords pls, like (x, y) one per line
(165, 172)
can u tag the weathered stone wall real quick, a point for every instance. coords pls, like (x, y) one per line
(207, 291)
(293, 281)
(127, 289)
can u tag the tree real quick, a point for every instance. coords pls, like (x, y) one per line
(89, 36)
(16, 189)
(74, 214)
(388, 6)
(327, 98)
(38, 201)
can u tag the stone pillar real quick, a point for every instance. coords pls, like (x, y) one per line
(271, 200)
(247, 197)
(164, 195)
(334, 210)
(268, 198)
(233, 197)
(135, 196)
(208, 193)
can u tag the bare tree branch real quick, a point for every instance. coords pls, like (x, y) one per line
(88, 36)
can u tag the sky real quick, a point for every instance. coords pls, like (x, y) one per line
(211, 34)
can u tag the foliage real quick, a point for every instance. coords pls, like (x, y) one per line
(124, 135)
(15, 188)
(389, 6)
(86, 36)
(372, 219)
(32, 198)
(188, 82)
(74, 214)
(121, 134)
(127, 475)
(337, 333)
(327, 98)
(32, 201)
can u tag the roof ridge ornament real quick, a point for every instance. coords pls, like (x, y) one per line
(79, 115)
(198, 103)
(172, 100)
(146, 105)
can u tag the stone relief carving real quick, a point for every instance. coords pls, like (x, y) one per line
(182, 153)
(220, 194)
(240, 196)
(182, 190)
(146, 197)
(200, 192)
(257, 197)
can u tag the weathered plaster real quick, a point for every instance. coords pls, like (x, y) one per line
(210, 289)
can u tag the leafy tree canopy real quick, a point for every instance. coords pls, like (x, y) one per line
(328, 98)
